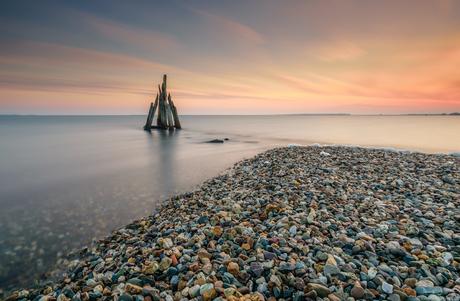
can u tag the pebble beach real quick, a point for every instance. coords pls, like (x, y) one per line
(293, 223)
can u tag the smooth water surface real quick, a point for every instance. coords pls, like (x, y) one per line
(65, 180)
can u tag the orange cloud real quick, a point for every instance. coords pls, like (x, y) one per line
(333, 51)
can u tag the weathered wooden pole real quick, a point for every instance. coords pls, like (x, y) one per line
(174, 113)
(159, 107)
(164, 113)
(161, 110)
(148, 124)
(170, 119)
(153, 108)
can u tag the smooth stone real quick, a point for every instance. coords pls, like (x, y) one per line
(387, 288)
(321, 290)
(394, 297)
(125, 297)
(357, 292)
(426, 291)
(330, 269)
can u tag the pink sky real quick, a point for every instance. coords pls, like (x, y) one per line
(261, 57)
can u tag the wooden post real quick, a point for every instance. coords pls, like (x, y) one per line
(164, 112)
(174, 113)
(153, 108)
(159, 107)
(170, 119)
(162, 122)
(148, 124)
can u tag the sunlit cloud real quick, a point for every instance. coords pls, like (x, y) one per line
(336, 51)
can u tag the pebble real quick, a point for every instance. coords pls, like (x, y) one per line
(294, 223)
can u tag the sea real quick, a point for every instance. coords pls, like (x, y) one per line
(67, 181)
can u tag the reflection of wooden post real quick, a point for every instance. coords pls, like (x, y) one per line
(174, 113)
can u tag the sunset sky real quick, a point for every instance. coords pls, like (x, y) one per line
(230, 57)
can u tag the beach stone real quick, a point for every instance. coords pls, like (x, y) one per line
(410, 282)
(357, 292)
(333, 298)
(257, 270)
(229, 291)
(387, 288)
(320, 290)
(217, 231)
(330, 270)
(311, 295)
(286, 267)
(133, 289)
(193, 291)
(394, 297)
(125, 297)
(427, 290)
(424, 283)
(233, 269)
(269, 255)
(209, 295)
(165, 264)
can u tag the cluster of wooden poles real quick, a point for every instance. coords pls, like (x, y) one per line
(167, 111)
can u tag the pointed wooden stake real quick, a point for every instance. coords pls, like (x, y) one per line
(174, 113)
(148, 124)
(153, 108)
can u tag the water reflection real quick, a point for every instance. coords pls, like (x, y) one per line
(163, 161)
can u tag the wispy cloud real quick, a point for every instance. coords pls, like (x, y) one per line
(131, 35)
(333, 51)
(228, 27)
(55, 56)
(13, 83)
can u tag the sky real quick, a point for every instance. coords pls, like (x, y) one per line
(230, 57)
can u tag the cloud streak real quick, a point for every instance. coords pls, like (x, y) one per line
(54, 55)
(227, 27)
(131, 35)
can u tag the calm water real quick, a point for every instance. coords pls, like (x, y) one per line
(65, 180)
